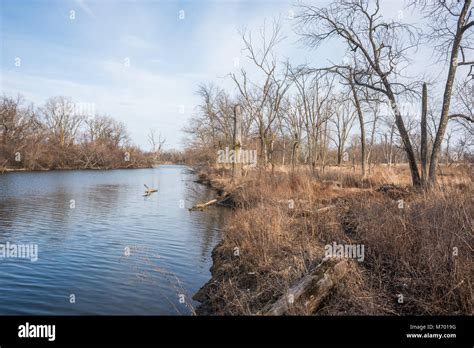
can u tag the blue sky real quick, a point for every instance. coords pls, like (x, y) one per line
(85, 58)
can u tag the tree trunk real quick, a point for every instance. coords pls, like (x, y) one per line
(415, 175)
(284, 153)
(339, 155)
(448, 140)
(372, 140)
(294, 154)
(323, 148)
(424, 140)
(443, 122)
(237, 142)
(263, 148)
(361, 124)
(390, 153)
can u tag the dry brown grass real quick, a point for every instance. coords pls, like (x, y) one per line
(422, 251)
(279, 237)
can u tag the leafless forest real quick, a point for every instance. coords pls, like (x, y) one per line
(360, 152)
(300, 115)
(63, 134)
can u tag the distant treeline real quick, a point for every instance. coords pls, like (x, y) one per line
(59, 135)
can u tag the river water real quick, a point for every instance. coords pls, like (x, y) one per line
(102, 246)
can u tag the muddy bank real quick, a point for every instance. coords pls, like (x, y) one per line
(209, 305)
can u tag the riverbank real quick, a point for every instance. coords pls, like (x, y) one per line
(144, 166)
(417, 247)
(16, 170)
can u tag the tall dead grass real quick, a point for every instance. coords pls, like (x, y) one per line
(422, 251)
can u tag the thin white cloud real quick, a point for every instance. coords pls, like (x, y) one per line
(84, 7)
(135, 42)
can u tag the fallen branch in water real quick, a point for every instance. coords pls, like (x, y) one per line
(222, 200)
(3, 166)
(204, 205)
(312, 289)
(148, 190)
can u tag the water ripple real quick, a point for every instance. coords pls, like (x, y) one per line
(102, 242)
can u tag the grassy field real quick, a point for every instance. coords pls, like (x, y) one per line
(418, 246)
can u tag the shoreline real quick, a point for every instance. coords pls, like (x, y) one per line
(222, 263)
(282, 249)
(26, 170)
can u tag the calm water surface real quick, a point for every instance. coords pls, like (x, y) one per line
(82, 249)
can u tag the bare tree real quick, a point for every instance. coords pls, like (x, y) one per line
(156, 144)
(291, 126)
(424, 135)
(359, 94)
(60, 118)
(20, 129)
(379, 48)
(450, 23)
(373, 107)
(343, 121)
(314, 90)
(463, 112)
(106, 129)
(217, 111)
(263, 100)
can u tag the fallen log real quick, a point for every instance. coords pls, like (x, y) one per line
(3, 166)
(149, 191)
(221, 200)
(205, 205)
(312, 289)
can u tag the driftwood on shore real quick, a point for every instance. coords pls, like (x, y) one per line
(204, 205)
(225, 198)
(312, 289)
(222, 200)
